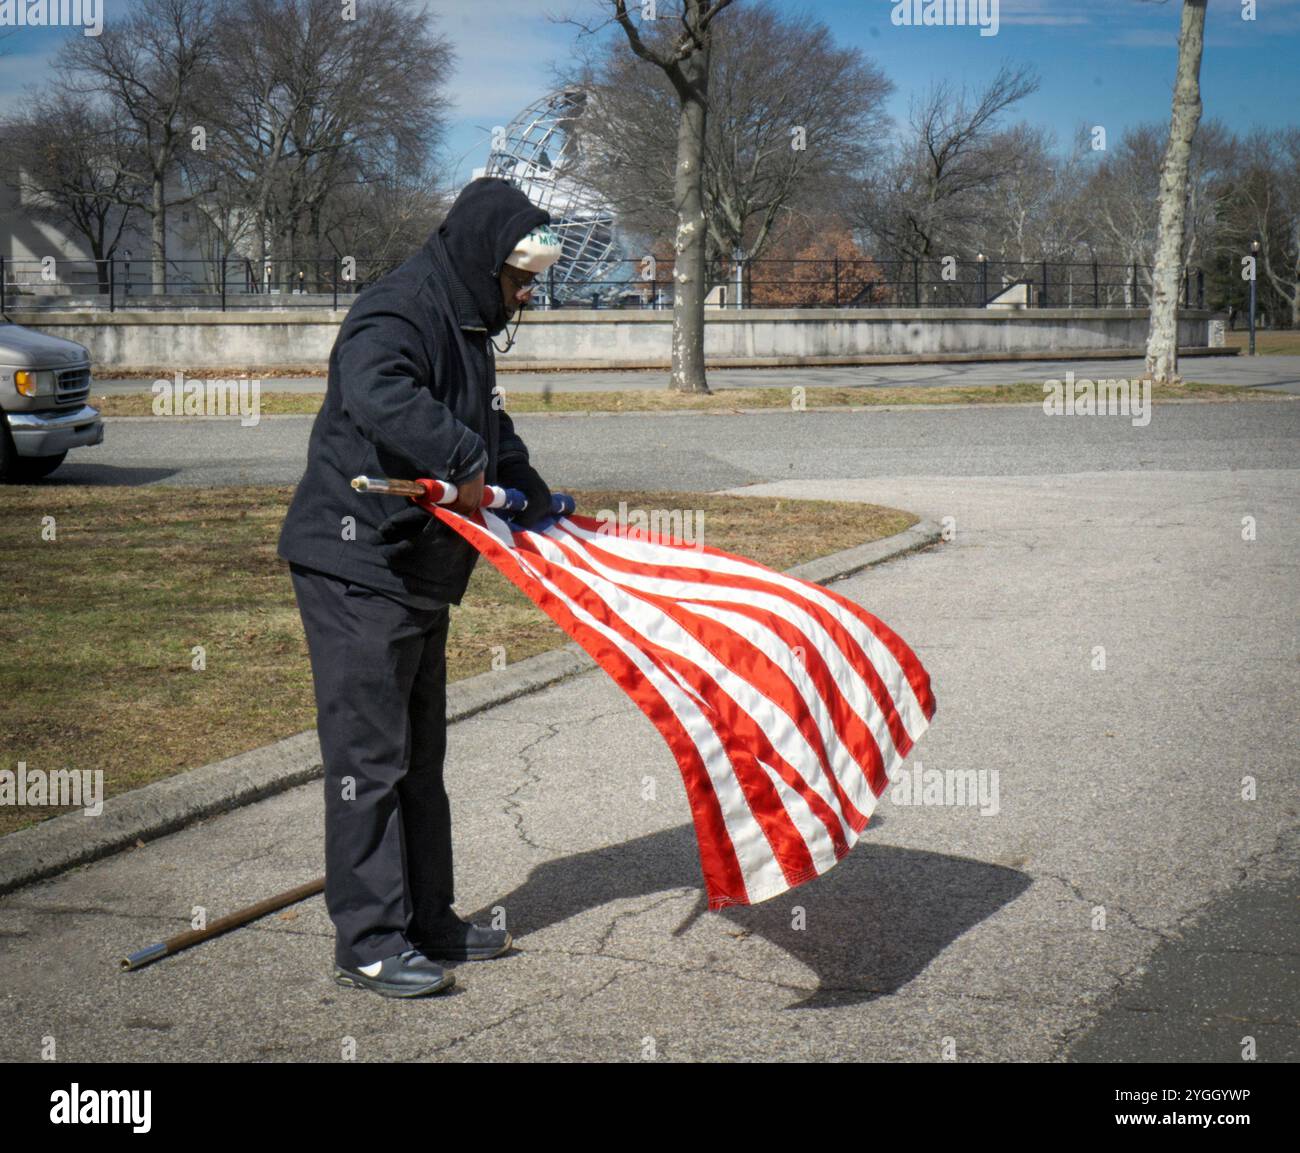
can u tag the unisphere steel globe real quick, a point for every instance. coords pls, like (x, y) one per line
(540, 152)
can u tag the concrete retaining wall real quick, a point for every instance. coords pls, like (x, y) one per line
(190, 341)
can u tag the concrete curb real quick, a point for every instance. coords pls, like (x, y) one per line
(839, 565)
(166, 806)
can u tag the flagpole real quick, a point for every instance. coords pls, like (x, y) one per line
(428, 491)
(172, 945)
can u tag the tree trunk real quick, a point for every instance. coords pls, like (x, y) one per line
(1162, 344)
(96, 241)
(689, 283)
(1289, 292)
(263, 250)
(158, 239)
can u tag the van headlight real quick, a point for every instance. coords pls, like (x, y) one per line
(34, 383)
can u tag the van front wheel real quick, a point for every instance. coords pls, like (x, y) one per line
(15, 469)
(35, 467)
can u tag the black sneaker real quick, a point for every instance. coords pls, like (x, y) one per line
(409, 974)
(457, 940)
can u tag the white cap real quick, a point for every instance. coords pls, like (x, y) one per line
(537, 251)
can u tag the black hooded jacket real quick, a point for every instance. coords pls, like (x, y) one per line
(411, 380)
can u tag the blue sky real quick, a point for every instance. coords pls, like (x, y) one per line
(1106, 62)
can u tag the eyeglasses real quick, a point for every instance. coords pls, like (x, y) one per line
(517, 288)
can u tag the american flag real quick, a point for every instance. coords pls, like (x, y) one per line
(787, 706)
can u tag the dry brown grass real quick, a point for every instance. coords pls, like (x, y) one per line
(1272, 343)
(720, 400)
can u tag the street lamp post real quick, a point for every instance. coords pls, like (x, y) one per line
(1254, 274)
(984, 280)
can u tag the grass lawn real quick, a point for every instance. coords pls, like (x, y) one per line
(720, 400)
(98, 625)
(1272, 343)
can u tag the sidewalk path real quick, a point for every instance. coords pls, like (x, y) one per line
(1280, 372)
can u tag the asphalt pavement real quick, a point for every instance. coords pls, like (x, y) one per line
(703, 452)
(1105, 905)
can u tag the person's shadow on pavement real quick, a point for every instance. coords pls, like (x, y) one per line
(871, 924)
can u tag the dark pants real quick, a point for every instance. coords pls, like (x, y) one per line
(381, 713)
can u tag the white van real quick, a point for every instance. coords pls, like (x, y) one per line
(44, 385)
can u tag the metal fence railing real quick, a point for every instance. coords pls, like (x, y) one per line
(233, 283)
(237, 283)
(942, 283)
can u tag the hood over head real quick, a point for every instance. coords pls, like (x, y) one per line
(482, 228)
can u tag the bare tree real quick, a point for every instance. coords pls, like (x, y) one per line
(378, 108)
(251, 116)
(1032, 210)
(70, 167)
(932, 198)
(1162, 344)
(1121, 195)
(624, 142)
(150, 67)
(776, 146)
(1214, 162)
(1118, 199)
(315, 109)
(387, 220)
(1265, 207)
(684, 59)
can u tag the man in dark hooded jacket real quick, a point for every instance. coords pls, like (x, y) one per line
(411, 393)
